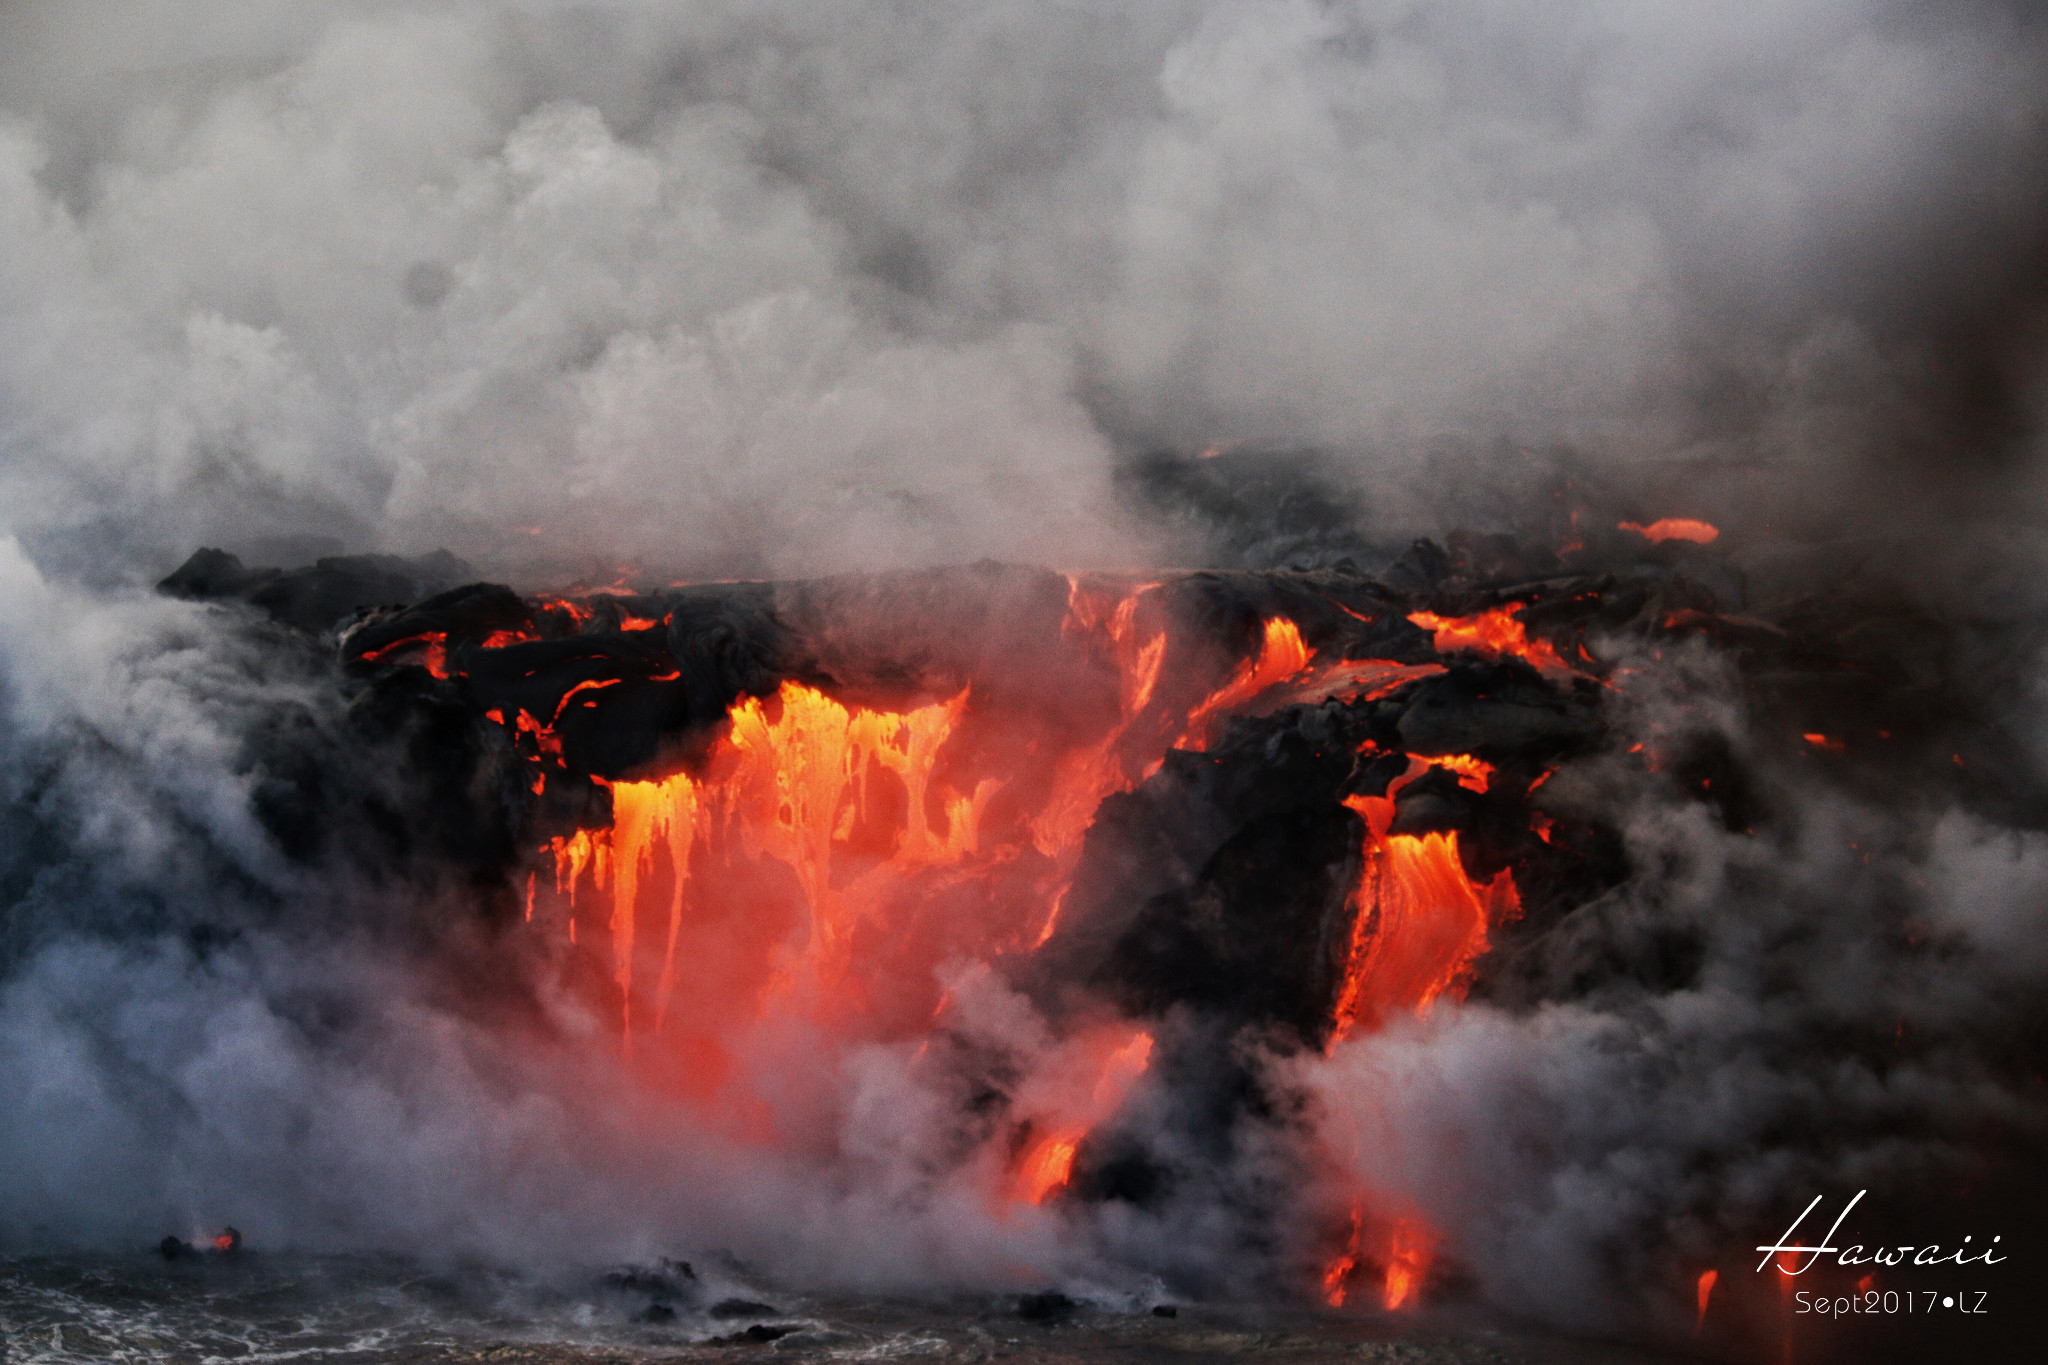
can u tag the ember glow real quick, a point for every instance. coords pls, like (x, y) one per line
(1491, 634)
(1409, 1253)
(1401, 1249)
(1337, 1275)
(1675, 528)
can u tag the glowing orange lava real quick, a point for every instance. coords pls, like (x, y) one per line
(1117, 1061)
(1706, 1292)
(1337, 1274)
(1087, 774)
(1282, 655)
(1403, 1247)
(791, 784)
(1421, 921)
(1674, 528)
(1490, 634)
(1473, 773)
(807, 876)
(430, 647)
(1411, 1248)
(642, 814)
(1047, 1165)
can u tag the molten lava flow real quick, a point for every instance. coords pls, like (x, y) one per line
(1137, 654)
(1117, 1061)
(574, 854)
(587, 685)
(801, 782)
(577, 613)
(431, 647)
(1282, 655)
(1491, 634)
(1347, 680)
(1786, 1264)
(642, 813)
(1048, 1164)
(1706, 1292)
(1421, 922)
(792, 786)
(1084, 776)
(1337, 1274)
(1410, 1249)
(1674, 528)
(794, 893)
(1404, 1248)
(1473, 773)
(849, 803)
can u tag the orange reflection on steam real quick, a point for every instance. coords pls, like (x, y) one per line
(1411, 1247)
(1337, 1273)
(1117, 1062)
(1404, 1248)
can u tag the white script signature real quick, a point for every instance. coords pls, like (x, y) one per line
(1884, 1255)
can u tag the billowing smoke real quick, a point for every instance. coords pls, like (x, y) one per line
(731, 290)
(786, 288)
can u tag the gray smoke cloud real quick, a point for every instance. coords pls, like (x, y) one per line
(776, 288)
(786, 288)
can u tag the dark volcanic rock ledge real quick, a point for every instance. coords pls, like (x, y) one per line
(1222, 878)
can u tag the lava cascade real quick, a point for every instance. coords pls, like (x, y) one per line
(821, 858)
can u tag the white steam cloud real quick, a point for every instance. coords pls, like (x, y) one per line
(779, 288)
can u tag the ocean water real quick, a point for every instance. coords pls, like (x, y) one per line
(86, 1310)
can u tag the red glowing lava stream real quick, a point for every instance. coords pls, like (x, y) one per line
(822, 859)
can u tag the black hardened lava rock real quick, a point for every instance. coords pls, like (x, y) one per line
(1050, 1306)
(1224, 884)
(320, 596)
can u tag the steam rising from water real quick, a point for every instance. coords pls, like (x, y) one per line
(771, 288)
